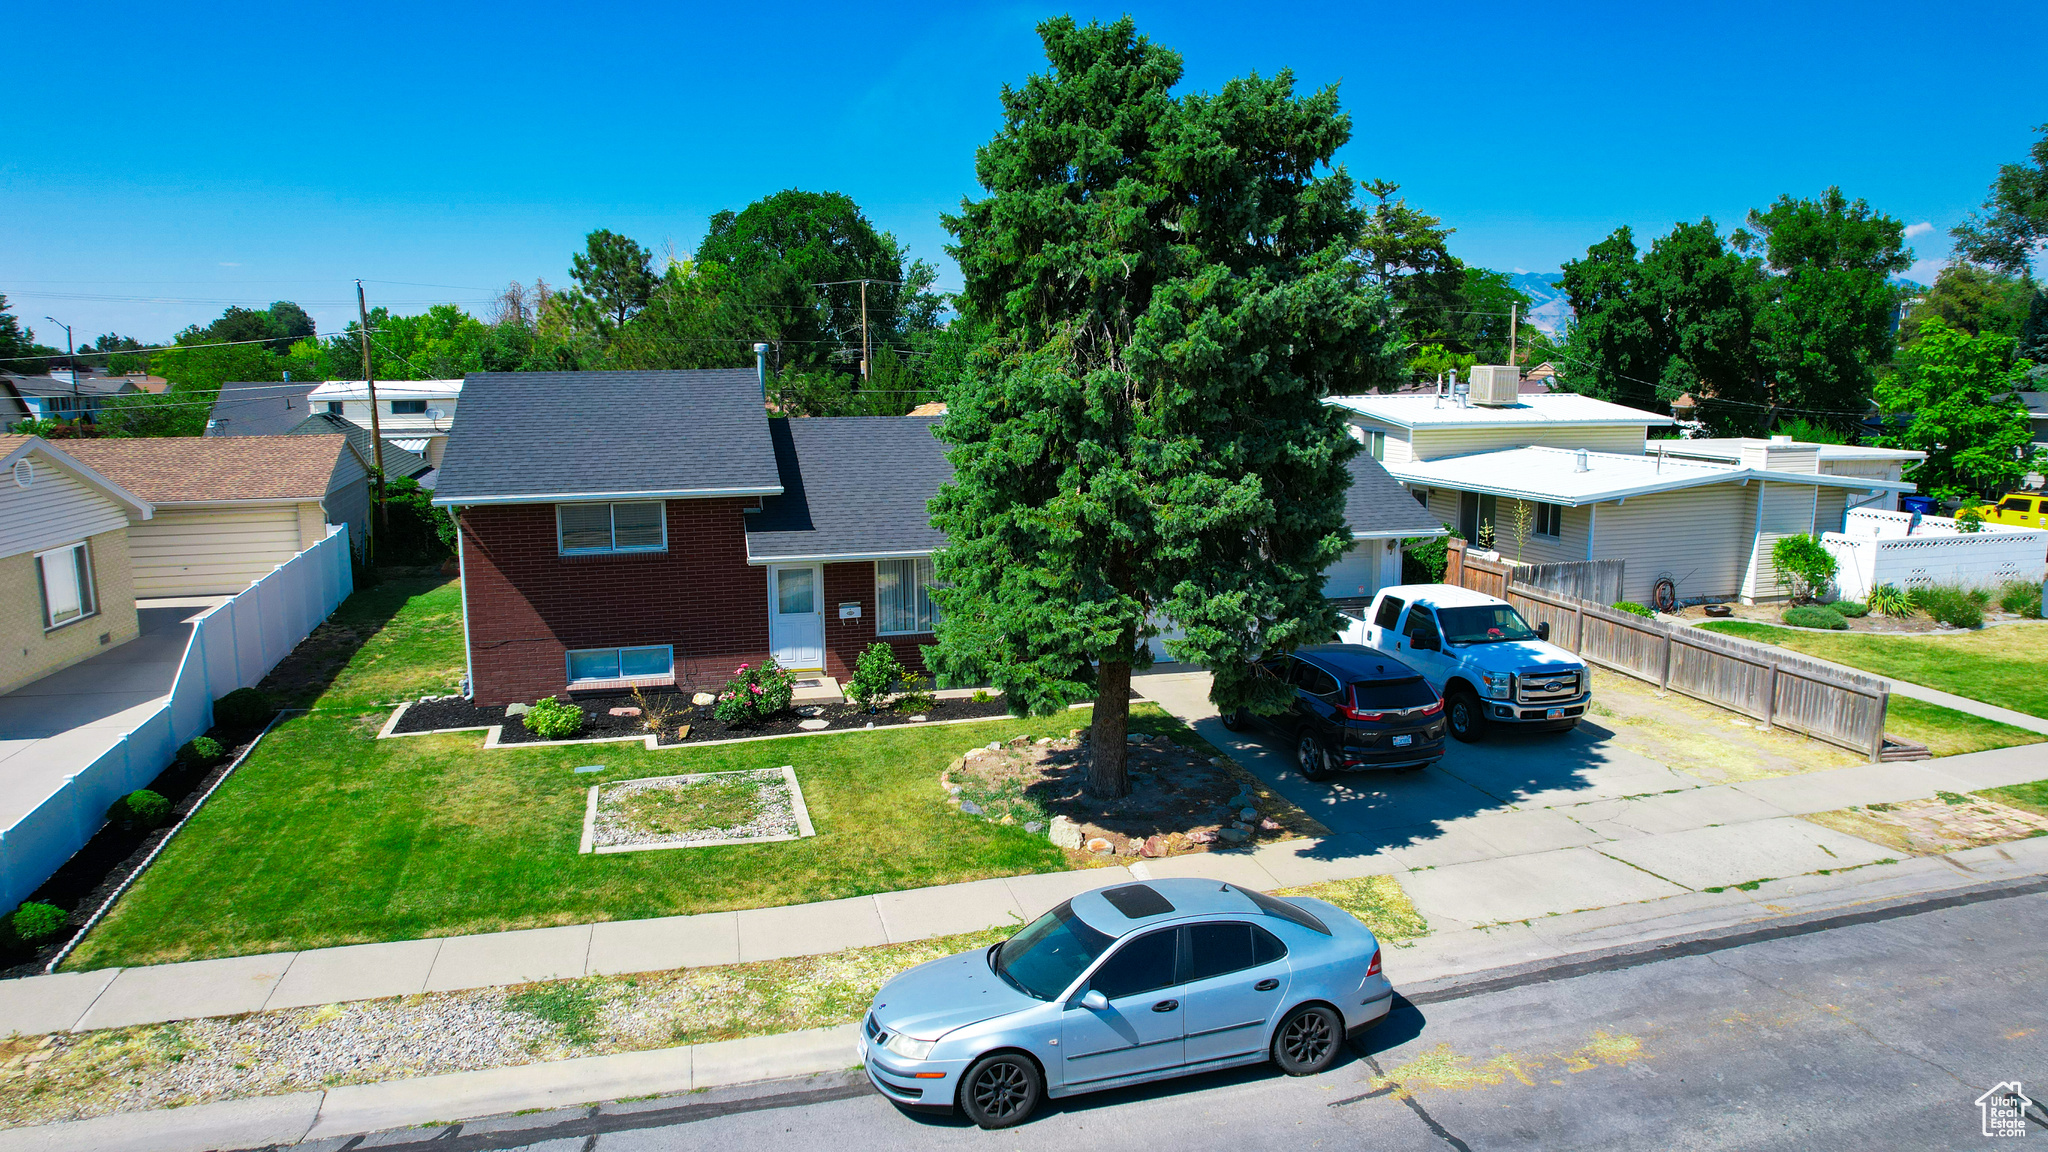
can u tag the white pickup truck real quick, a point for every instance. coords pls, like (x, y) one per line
(1478, 652)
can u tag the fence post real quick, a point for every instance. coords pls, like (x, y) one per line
(1770, 693)
(1578, 627)
(1670, 639)
(1884, 708)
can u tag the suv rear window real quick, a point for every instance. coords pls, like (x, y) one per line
(1412, 692)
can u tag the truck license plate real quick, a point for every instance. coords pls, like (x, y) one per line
(1403, 741)
(1555, 714)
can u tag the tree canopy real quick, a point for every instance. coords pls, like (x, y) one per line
(1953, 391)
(1163, 290)
(2009, 231)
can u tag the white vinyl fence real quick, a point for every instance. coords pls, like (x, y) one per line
(233, 645)
(1878, 547)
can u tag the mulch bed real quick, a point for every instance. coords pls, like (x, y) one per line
(96, 870)
(599, 723)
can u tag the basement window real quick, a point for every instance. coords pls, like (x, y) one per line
(599, 667)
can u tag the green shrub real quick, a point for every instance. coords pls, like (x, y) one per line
(1969, 520)
(2021, 598)
(243, 708)
(1424, 563)
(552, 719)
(199, 751)
(913, 696)
(1954, 606)
(755, 692)
(1850, 608)
(1631, 606)
(1815, 617)
(875, 675)
(33, 923)
(1889, 600)
(1807, 562)
(140, 809)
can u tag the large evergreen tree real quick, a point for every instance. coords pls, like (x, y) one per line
(2011, 229)
(1165, 289)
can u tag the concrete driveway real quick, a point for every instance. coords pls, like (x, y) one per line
(1453, 811)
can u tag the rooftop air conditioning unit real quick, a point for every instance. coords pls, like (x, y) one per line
(1496, 385)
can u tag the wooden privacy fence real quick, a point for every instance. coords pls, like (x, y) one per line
(1773, 686)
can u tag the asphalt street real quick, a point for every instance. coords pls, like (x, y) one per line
(1873, 1035)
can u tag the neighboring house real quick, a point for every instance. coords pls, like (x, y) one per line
(671, 548)
(259, 407)
(2037, 412)
(398, 462)
(1830, 460)
(414, 414)
(228, 510)
(13, 409)
(60, 396)
(66, 592)
(1583, 476)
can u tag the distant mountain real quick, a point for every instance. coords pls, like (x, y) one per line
(1550, 313)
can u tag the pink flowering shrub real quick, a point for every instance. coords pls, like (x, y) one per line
(755, 693)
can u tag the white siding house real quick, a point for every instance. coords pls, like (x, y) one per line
(414, 414)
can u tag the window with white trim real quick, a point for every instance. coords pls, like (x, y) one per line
(592, 529)
(646, 662)
(65, 577)
(1549, 520)
(903, 602)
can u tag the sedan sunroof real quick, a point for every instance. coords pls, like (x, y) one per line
(1137, 901)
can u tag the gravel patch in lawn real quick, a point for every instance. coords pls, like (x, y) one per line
(69, 1076)
(700, 809)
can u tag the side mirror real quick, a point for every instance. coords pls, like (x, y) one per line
(1094, 1001)
(1424, 644)
(1543, 630)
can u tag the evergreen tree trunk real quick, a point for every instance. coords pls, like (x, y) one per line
(1107, 776)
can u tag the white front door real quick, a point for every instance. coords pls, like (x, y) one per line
(796, 615)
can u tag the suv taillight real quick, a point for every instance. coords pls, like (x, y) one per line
(1435, 706)
(1351, 713)
(1373, 969)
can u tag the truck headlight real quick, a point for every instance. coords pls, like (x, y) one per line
(1495, 685)
(909, 1049)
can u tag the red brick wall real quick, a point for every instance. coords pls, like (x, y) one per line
(528, 605)
(845, 640)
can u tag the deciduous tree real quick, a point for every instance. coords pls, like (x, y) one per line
(2008, 232)
(1955, 390)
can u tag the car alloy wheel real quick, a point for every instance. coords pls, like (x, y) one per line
(1233, 720)
(1311, 759)
(1307, 1041)
(1467, 722)
(1000, 1090)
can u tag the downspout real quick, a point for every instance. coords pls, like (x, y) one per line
(462, 578)
(1592, 522)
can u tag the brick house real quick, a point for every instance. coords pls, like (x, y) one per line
(603, 554)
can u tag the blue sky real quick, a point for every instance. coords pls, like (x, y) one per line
(182, 157)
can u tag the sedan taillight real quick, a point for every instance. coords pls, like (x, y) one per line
(1373, 969)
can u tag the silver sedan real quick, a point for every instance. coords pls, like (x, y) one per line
(1120, 986)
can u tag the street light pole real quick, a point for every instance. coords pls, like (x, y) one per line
(70, 361)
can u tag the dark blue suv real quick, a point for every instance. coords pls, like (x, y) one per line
(1354, 708)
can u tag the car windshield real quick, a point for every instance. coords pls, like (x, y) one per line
(1051, 952)
(1484, 624)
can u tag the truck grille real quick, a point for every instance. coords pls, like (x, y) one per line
(1543, 686)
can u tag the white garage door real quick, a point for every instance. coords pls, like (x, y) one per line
(210, 552)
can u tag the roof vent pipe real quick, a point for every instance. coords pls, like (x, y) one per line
(1462, 389)
(1580, 463)
(761, 368)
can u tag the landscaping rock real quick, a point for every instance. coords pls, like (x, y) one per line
(703, 698)
(813, 725)
(1233, 835)
(995, 746)
(1243, 800)
(1203, 837)
(627, 711)
(1100, 846)
(970, 807)
(810, 710)
(512, 710)
(1064, 833)
(1269, 824)
(1155, 847)
(1137, 737)
(1248, 814)
(682, 731)
(1035, 826)
(919, 718)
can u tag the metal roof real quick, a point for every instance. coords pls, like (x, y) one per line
(547, 437)
(1428, 410)
(1730, 448)
(1551, 475)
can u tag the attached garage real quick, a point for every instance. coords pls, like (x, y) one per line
(229, 509)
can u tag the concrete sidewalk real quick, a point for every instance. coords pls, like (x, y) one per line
(417, 1109)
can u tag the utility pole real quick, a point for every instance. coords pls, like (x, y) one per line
(71, 361)
(376, 427)
(1514, 323)
(863, 331)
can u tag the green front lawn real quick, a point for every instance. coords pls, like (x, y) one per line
(2031, 797)
(1947, 732)
(2006, 665)
(328, 836)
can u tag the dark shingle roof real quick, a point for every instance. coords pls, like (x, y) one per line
(853, 486)
(538, 436)
(397, 461)
(1376, 504)
(259, 407)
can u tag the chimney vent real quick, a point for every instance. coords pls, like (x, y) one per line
(761, 367)
(1580, 462)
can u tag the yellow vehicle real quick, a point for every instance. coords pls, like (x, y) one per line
(2028, 510)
